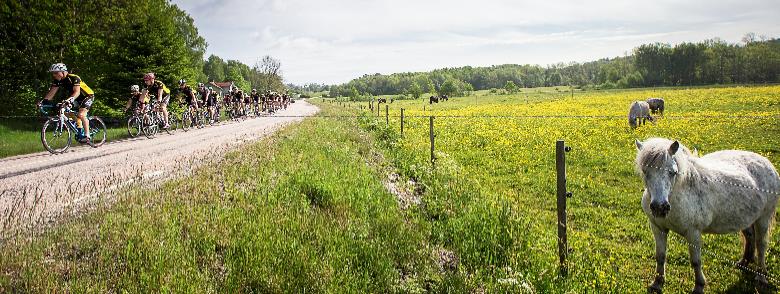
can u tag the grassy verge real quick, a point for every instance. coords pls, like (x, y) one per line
(301, 211)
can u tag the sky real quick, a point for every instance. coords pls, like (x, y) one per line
(334, 41)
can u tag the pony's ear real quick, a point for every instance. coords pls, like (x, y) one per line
(638, 144)
(673, 149)
(695, 152)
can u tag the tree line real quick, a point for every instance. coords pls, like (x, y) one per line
(110, 45)
(714, 61)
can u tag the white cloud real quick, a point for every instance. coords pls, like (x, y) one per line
(335, 41)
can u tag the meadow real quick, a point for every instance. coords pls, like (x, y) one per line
(308, 210)
(495, 161)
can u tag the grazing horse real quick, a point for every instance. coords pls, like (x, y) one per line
(381, 100)
(639, 114)
(433, 99)
(444, 97)
(656, 105)
(721, 192)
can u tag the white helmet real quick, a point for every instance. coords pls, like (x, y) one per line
(134, 88)
(57, 67)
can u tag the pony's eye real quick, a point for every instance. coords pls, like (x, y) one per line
(672, 173)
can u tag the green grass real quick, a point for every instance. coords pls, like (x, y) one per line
(23, 136)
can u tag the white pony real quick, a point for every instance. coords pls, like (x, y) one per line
(639, 113)
(721, 192)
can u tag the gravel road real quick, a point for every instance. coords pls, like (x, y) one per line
(38, 189)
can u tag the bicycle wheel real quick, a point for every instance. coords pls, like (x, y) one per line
(55, 136)
(175, 122)
(134, 126)
(97, 132)
(150, 125)
(186, 121)
(161, 121)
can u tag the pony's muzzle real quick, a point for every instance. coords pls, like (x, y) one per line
(660, 208)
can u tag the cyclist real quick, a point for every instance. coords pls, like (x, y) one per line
(79, 94)
(136, 98)
(247, 104)
(256, 100)
(238, 97)
(189, 95)
(163, 94)
(208, 99)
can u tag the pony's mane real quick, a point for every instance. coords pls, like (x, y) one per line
(654, 154)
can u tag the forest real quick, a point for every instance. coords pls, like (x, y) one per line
(110, 47)
(754, 60)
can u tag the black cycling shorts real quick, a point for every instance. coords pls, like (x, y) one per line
(85, 102)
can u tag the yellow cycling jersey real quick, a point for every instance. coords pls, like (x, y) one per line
(70, 81)
(156, 86)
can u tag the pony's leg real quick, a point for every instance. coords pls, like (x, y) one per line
(750, 247)
(761, 227)
(660, 258)
(694, 249)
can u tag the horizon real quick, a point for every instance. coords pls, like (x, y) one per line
(331, 44)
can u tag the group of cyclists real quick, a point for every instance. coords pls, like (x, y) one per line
(155, 94)
(205, 100)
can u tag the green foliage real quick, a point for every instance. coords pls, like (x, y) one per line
(109, 46)
(709, 62)
(510, 87)
(415, 90)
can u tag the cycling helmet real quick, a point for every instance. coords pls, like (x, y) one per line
(149, 76)
(211, 88)
(58, 67)
(254, 90)
(182, 82)
(134, 88)
(201, 85)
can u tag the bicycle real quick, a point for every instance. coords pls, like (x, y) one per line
(141, 121)
(56, 130)
(158, 117)
(190, 118)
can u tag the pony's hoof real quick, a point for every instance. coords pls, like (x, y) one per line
(654, 289)
(698, 290)
(657, 286)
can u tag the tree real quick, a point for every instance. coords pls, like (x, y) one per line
(449, 88)
(510, 87)
(268, 72)
(215, 68)
(234, 75)
(415, 90)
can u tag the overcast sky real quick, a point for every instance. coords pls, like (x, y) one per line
(335, 41)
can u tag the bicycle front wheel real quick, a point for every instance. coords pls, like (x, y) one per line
(150, 125)
(175, 123)
(97, 131)
(55, 136)
(133, 126)
(186, 121)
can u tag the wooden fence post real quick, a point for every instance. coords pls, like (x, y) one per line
(433, 157)
(402, 121)
(387, 115)
(560, 166)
